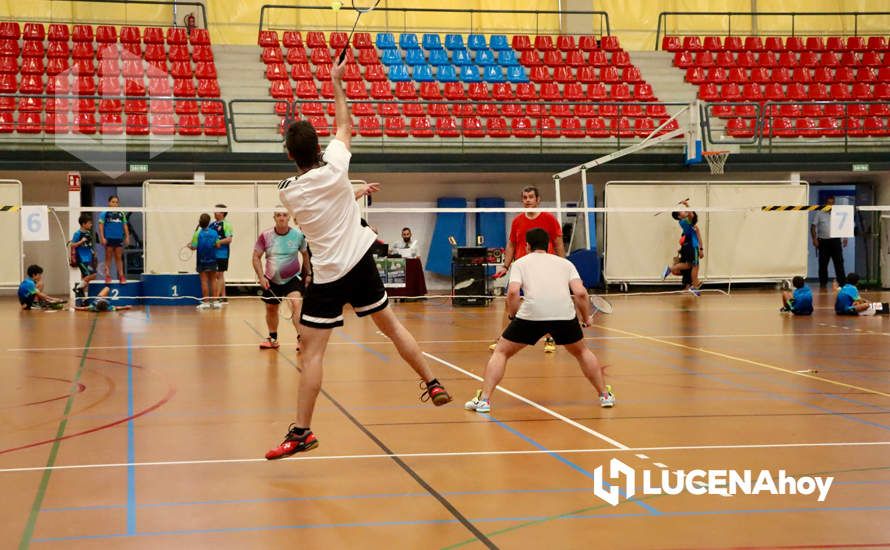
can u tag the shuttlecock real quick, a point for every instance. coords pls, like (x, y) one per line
(336, 5)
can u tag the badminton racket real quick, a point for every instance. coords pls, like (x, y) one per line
(287, 312)
(360, 7)
(678, 204)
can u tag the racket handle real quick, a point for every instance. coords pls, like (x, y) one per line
(342, 56)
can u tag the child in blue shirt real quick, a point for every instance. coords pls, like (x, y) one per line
(204, 242)
(30, 294)
(101, 304)
(83, 256)
(799, 302)
(848, 301)
(114, 236)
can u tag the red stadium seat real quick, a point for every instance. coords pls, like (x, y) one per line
(202, 53)
(281, 89)
(266, 39)
(713, 43)
(553, 58)
(598, 58)
(111, 124)
(362, 41)
(544, 43)
(446, 127)
(381, 90)
(643, 92)
(356, 90)
(620, 59)
(521, 42)
(30, 105)
(530, 58)
(57, 123)
(7, 122)
(215, 125)
(33, 48)
(815, 44)
(272, 55)
(137, 125)
(471, 127)
(610, 43)
(497, 127)
(199, 37)
(135, 106)
(190, 125)
(856, 44)
(754, 44)
(315, 39)
(208, 87)
(321, 125)
(704, 59)
(421, 127)
(84, 122)
(36, 31)
(733, 44)
(774, 43)
(178, 52)
(177, 35)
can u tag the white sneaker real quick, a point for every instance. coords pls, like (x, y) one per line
(216, 305)
(607, 400)
(203, 306)
(478, 404)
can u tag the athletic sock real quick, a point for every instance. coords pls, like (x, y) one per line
(300, 432)
(273, 335)
(432, 382)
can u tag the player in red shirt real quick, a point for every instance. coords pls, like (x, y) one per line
(516, 249)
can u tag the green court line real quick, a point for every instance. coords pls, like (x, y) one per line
(50, 462)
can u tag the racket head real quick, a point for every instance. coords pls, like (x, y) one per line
(464, 284)
(186, 253)
(600, 304)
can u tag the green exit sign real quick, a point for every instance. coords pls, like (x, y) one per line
(138, 168)
(860, 167)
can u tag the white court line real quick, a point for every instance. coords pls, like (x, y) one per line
(660, 465)
(445, 455)
(642, 456)
(485, 340)
(541, 408)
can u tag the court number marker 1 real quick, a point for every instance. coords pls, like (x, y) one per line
(174, 291)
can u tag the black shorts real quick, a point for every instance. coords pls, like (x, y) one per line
(361, 288)
(28, 301)
(114, 243)
(276, 293)
(203, 267)
(222, 264)
(527, 332)
(86, 269)
(689, 254)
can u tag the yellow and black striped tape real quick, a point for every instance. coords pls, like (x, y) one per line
(9, 208)
(800, 208)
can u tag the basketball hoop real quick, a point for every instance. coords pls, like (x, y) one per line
(716, 160)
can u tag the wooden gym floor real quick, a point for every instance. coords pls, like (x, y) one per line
(147, 428)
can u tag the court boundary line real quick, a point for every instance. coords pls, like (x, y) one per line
(470, 341)
(455, 513)
(454, 454)
(746, 361)
(527, 401)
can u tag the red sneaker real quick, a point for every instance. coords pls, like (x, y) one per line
(293, 444)
(269, 343)
(435, 392)
(123, 279)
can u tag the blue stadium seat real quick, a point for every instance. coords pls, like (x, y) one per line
(485, 57)
(470, 73)
(431, 42)
(446, 73)
(399, 73)
(385, 41)
(408, 41)
(415, 57)
(516, 74)
(439, 58)
(454, 42)
(498, 43)
(494, 73)
(507, 58)
(476, 42)
(423, 73)
(460, 58)
(391, 57)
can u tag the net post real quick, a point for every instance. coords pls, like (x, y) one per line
(74, 181)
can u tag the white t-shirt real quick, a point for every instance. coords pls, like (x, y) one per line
(407, 250)
(545, 287)
(323, 204)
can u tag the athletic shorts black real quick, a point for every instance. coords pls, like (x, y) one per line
(527, 332)
(222, 264)
(28, 301)
(203, 267)
(361, 287)
(689, 254)
(86, 269)
(276, 293)
(114, 243)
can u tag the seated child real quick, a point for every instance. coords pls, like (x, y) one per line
(849, 302)
(30, 295)
(800, 302)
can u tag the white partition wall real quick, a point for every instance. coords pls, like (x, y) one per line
(11, 229)
(741, 244)
(167, 232)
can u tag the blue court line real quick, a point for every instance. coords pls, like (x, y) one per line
(761, 391)
(147, 311)
(474, 520)
(567, 462)
(131, 443)
(365, 497)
